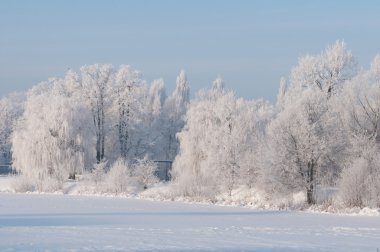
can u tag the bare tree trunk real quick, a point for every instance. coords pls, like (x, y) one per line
(123, 130)
(120, 126)
(97, 125)
(102, 130)
(310, 183)
(168, 152)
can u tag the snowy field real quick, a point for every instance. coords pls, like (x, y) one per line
(42, 222)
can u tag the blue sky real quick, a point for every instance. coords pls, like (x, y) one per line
(250, 44)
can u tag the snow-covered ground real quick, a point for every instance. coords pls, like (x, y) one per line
(45, 222)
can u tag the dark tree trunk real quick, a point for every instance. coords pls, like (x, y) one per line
(124, 114)
(310, 183)
(99, 136)
(98, 156)
(102, 132)
(168, 152)
(310, 195)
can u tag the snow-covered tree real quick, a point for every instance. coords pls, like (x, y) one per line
(96, 82)
(157, 97)
(175, 108)
(218, 143)
(65, 118)
(47, 142)
(126, 101)
(11, 109)
(360, 112)
(325, 72)
(305, 140)
(155, 122)
(297, 143)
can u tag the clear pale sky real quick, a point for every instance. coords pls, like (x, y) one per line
(250, 44)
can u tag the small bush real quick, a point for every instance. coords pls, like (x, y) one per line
(97, 174)
(352, 186)
(145, 173)
(49, 184)
(23, 184)
(118, 177)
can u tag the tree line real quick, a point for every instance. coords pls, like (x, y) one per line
(322, 132)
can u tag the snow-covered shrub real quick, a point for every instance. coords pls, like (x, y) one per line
(49, 184)
(325, 195)
(352, 185)
(118, 178)
(360, 184)
(145, 172)
(98, 173)
(197, 188)
(23, 184)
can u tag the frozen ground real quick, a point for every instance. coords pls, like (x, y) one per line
(41, 222)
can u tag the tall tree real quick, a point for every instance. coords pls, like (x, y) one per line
(218, 143)
(303, 137)
(11, 109)
(175, 109)
(126, 87)
(47, 141)
(325, 72)
(96, 81)
(359, 109)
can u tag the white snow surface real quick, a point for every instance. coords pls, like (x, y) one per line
(47, 222)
